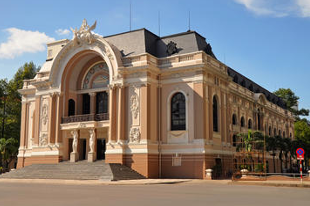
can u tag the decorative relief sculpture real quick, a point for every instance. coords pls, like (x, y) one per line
(134, 106)
(91, 140)
(171, 48)
(44, 114)
(83, 35)
(74, 133)
(43, 140)
(134, 134)
(81, 125)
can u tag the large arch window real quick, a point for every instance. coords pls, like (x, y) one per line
(234, 119)
(178, 112)
(215, 115)
(71, 107)
(102, 102)
(242, 122)
(86, 104)
(250, 124)
(258, 120)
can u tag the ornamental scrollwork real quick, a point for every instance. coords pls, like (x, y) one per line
(43, 140)
(134, 103)
(134, 134)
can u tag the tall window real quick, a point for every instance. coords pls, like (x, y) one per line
(102, 102)
(234, 140)
(242, 122)
(250, 124)
(215, 115)
(269, 131)
(178, 112)
(258, 121)
(234, 119)
(86, 104)
(71, 108)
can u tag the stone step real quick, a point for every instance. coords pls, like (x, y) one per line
(81, 170)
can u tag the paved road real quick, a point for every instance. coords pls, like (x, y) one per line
(188, 194)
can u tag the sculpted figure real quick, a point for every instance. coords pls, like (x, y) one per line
(84, 33)
(91, 140)
(75, 141)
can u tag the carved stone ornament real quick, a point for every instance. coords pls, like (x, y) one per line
(171, 48)
(81, 125)
(83, 35)
(91, 141)
(43, 140)
(134, 134)
(44, 114)
(134, 104)
(74, 134)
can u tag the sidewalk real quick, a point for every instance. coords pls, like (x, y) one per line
(98, 182)
(276, 183)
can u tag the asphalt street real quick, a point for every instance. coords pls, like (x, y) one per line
(188, 194)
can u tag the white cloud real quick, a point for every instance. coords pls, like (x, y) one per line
(277, 8)
(304, 6)
(62, 32)
(22, 41)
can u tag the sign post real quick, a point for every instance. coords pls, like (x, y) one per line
(300, 156)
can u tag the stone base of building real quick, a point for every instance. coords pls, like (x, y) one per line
(26, 161)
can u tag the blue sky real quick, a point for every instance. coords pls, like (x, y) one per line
(265, 40)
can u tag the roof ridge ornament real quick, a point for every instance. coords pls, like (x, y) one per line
(84, 34)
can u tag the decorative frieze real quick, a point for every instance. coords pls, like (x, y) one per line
(43, 140)
(134, 135)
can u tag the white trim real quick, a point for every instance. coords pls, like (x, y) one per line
(169, 109)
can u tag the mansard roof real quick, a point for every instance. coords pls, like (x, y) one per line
(143, 41)
(252, 86)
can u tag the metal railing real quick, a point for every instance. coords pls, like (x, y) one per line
(85, 118)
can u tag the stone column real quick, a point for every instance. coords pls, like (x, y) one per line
(112, 114)
(121, 114)
(92, 102)
(92, 139)
(74, 155)
(59, 113)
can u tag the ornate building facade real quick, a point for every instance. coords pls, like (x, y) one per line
(164, 106)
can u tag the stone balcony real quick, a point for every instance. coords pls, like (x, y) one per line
(85, 118)
(86, 121)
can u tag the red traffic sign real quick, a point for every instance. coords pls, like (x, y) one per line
(300, 153)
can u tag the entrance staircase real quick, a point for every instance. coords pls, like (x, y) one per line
(81, 170)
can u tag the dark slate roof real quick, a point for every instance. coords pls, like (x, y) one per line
(143, 41)
(252, 86)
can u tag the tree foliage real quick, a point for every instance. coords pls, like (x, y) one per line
(291, 102)
(10, 107)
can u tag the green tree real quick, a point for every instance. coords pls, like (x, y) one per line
(291, 102)
(8, 150)
(10, 104)
(271, 146)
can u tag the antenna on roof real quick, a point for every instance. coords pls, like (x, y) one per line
(130, 15)
(159, 23)
(189, 20)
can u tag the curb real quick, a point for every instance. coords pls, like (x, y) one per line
(93, 182)
(274, 184)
